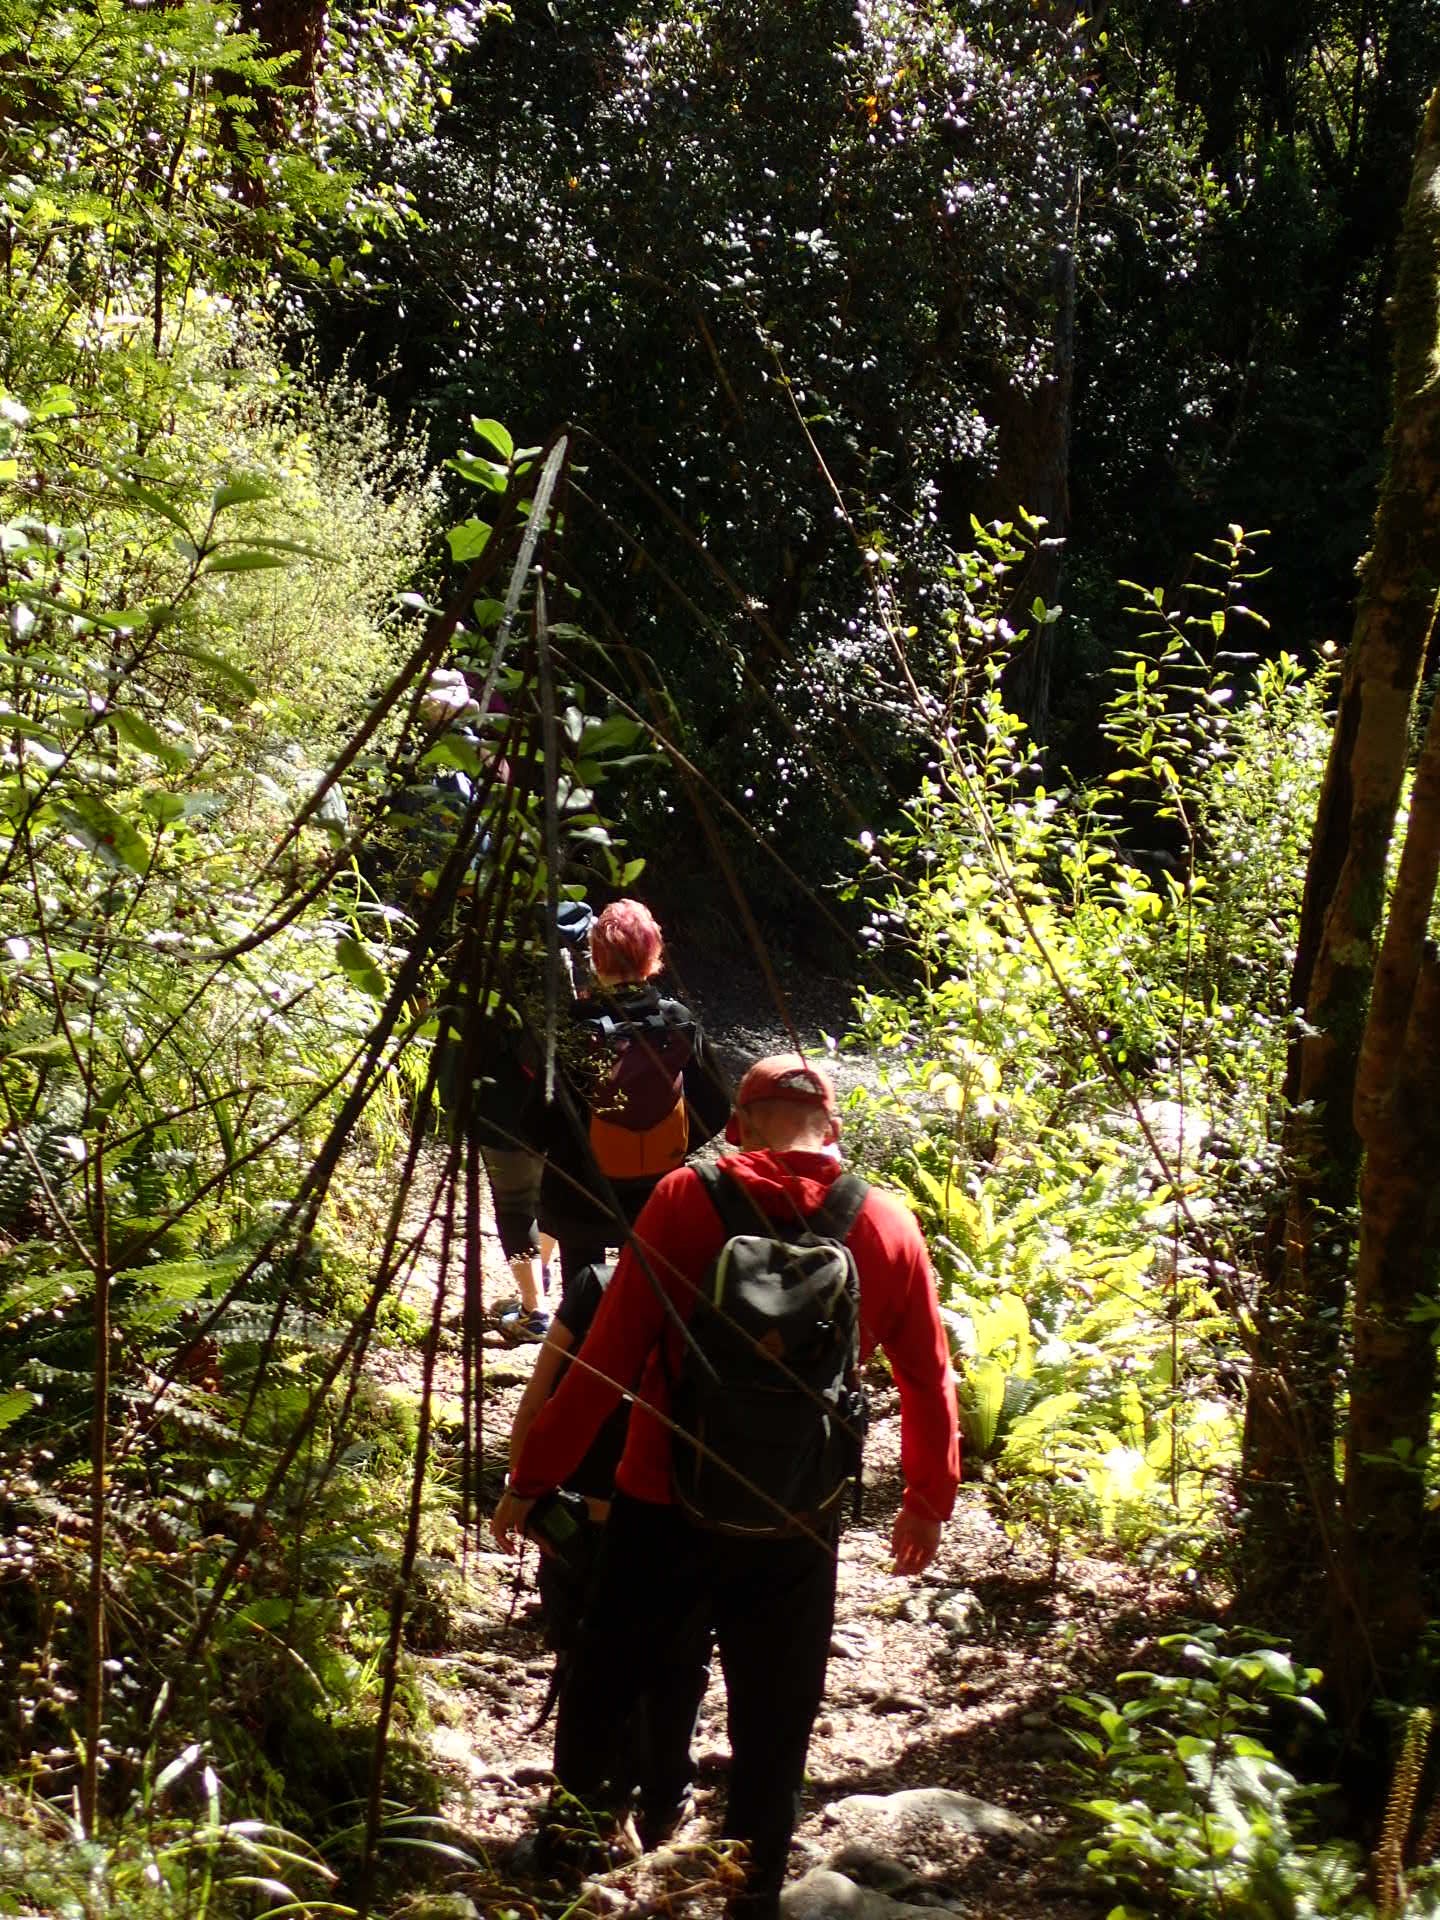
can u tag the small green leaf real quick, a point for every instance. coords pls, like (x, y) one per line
(57, 403)
(126, 621)
(217, 663)
(163, 807)
(453, 750)
(358, 965)
(105, 832)
(56, 1047)
(494, 435)
(243, 560)
(484, 473)
(468, 541)
(177, 1766)
(615, 731)
(168, 807)
(139, 733)
(156, 502)
(12, 1405)
(241, 491)
(270, 544)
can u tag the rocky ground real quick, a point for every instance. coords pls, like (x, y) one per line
(939, 1772)
(953, 1681)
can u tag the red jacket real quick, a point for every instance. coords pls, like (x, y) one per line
(681, 1234)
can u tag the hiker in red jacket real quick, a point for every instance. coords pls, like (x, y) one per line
(770, 1600)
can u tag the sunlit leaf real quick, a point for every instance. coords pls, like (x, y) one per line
(494, 435)
(243, 560)
(359, 966)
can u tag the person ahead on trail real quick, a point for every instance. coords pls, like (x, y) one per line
(753, 1548)
(427, 812)
(638, 1091)
(655, 1752)
(506, 1120)
(505, 1108)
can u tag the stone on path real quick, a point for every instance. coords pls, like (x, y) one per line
(960, 1612)
(901, 1814)
(826, 1895)
(851, 1642)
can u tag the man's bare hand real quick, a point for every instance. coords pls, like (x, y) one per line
(913, 1541)
(507, 1523)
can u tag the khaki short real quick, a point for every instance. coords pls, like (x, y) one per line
(514, 1174)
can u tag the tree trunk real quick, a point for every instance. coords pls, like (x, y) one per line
(295, 28)
(1032, 470)
(1288, 1474)
(1380, 1609)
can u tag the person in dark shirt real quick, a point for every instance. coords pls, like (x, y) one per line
(657, 1745)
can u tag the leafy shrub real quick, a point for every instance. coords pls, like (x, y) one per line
(1079, 1091)
(1194, 1813)
(161, 1864)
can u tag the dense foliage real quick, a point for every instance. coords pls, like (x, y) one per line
(850, 341)
(232, 878)
(1086, 1081)
(1124, 270)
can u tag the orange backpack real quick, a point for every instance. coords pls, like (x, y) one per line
(639, 1125)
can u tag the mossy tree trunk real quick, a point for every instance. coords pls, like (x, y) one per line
(1289, 1489)
(1380, 1610)
(295, 31)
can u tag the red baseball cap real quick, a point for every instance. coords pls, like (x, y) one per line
(783, 1076)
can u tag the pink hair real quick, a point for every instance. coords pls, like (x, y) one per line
(626, 942)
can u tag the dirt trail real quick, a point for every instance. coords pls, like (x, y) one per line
(953, 1681)
(911, 1702)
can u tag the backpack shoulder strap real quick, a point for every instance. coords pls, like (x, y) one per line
(842, 1206)
(738, 1213)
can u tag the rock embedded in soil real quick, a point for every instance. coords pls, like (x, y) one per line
(851, 1643)
(960, 1612)
(826, 1895)
(910, 1811)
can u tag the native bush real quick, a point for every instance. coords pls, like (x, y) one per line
(236, 883)
(1080, 1089)
(197, 991)
(1189, 1810)
(215, 580)
(165, 1863)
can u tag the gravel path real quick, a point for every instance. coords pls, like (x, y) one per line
(743, 1018)
(952, 1681)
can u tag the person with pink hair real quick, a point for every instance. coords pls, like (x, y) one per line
(638, 1091)
(626, 944)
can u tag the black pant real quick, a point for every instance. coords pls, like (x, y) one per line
(771, 1604)
(653, 1752)
(576, 1253)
